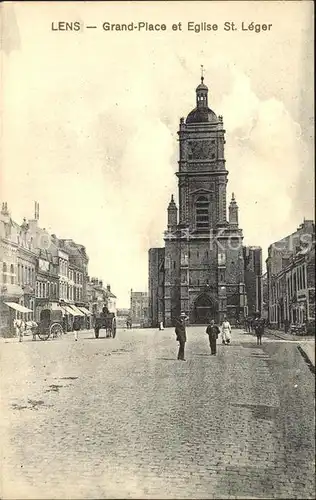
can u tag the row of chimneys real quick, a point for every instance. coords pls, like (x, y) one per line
(96, 281)
(5, 210)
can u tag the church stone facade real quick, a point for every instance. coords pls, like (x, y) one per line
(203, 272)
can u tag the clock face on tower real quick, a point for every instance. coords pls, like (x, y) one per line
(202, 150)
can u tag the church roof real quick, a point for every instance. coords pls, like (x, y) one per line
(200, 115)
(201, 86)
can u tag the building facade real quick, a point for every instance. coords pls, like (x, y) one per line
(139, 308)
(111, 300)
(77, 271)
(10, 289)
(265, 297)
(291, 278)
(47, 283)
(253, 279)
(97, 296)
(203, 262)
(156, 260)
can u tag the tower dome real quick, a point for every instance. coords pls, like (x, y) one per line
(202, 113)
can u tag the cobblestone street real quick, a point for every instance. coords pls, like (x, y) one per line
(122, 418)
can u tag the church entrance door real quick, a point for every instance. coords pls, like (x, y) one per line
(204, 309)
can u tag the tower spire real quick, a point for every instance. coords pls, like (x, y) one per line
(172, 215)
(233, 212)
(202, 73)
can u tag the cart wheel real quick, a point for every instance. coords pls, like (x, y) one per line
(43, 335)
(56, 330)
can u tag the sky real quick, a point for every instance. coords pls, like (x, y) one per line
(90, 119)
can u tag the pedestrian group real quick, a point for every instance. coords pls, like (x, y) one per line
(213, 331)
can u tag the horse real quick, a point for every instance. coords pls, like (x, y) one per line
(19, 326)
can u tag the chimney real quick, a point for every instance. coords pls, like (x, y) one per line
(4, 209)
(108, 287)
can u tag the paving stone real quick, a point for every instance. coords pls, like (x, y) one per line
(142, 425)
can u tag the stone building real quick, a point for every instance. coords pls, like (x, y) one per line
(156, 259)
(291, 278)
(10, 290)
(61, 269)
(97, 296)
(77, 271)
(46, 283)
(253, 279)
(265, 297)
(203, 261)
(139, 308)
(111, 300)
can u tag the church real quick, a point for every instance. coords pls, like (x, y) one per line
(200, 270)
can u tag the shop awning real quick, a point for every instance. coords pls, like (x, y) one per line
(18, 307)
(85, 311)
(68, 310)
(56, 307)
(76, 310)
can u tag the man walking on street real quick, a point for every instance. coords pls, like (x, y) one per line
(212, 331)
(181, 335)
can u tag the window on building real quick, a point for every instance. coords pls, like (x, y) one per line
(304, 276)
(12, 274)
(4, 272)
(294, 282)
(202, 213)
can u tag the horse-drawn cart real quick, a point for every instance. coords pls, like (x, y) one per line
(105, 322)
(51, 324)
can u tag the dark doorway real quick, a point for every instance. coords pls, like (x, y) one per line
(204, 309)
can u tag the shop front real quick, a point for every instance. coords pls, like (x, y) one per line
(8, 293)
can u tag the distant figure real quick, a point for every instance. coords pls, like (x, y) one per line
(161, 327)
(129, 323)
(248, 324)
(226, 331)
(212, 331)
(286, 325)
(105, 311)
(76, 326)
(181, 335)
(259, 330)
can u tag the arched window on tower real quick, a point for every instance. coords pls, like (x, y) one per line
(202, 213)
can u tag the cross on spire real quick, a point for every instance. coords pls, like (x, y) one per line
(202, 73)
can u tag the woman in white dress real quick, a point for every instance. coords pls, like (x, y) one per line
(226, 331)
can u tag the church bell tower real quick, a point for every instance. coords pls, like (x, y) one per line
(203, 270)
